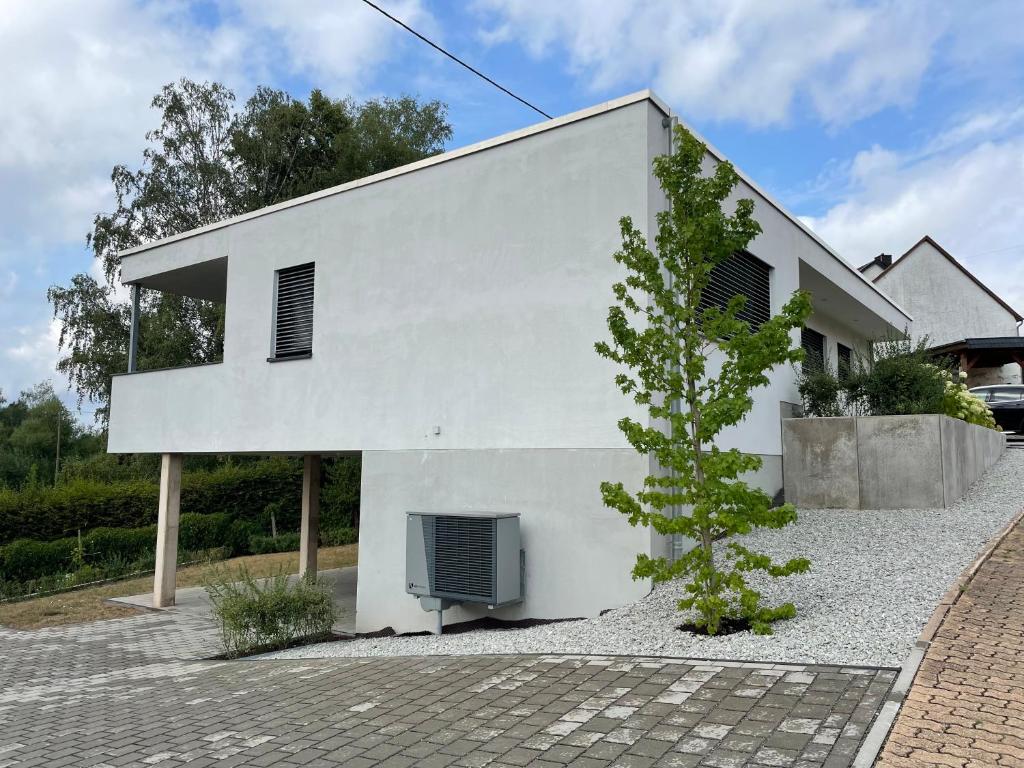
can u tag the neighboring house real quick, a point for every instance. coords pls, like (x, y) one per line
(954, 310)
(440, 319)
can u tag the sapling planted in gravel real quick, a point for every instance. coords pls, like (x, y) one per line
(662, 335)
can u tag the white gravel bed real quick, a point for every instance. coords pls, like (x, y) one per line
(876, 576)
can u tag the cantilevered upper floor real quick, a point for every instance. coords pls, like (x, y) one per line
(450, 303)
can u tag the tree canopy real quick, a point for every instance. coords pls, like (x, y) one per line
(30, 428)
(207, 161)
(663, 335)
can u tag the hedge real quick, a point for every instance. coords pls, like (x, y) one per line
(242, 492)
(27, 559)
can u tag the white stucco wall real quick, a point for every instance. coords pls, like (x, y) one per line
(945, 303)
(872, 271)
(465, 296)
(948, 306)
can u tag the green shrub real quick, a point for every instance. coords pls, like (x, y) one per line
(131, 544)
(198, 532)
(239, 534)
(338, 536)
(820, 390)
(265, 545)
(268, 614)
(27, 559)
(239, 491)
(901, 380)
(339, 497)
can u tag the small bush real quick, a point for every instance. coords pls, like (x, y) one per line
(239, 534)
(901, 380)
(126, 543)
(196, 532)
(820, 390)
(27, 559)
(269, 614)
(265, 545)
(338, 536)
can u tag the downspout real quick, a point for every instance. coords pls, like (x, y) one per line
(675, 543)
(1020, 365)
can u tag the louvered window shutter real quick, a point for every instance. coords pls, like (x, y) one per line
(293, 313)
(741, 274)
(814, 347)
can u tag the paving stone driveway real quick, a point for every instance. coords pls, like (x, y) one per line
(136, 692)
(966, 706)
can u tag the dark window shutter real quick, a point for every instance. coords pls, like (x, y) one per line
(741, 274)
(814, 345)
(845, 358)
(293, 314)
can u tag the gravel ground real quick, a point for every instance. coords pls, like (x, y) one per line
(875, 579)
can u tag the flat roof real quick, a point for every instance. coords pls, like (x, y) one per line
(507, 138)
(444, 157)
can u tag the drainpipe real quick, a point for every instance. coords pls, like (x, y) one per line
(1020, 365)
(669, 122)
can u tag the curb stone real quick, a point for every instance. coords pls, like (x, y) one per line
(879, 732)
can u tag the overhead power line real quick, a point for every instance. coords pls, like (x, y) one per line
(456, 59)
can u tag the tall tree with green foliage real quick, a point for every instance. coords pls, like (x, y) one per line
(206, 162)
(661, 334)
(36, 430)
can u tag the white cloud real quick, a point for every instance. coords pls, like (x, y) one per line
(340, 43)
(86, 73)
(738, 59)
(964, 187)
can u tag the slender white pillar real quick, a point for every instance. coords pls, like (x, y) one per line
(167, 530)
(310, 532)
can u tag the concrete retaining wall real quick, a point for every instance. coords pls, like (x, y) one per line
(884, 462)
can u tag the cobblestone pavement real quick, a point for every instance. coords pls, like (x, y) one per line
(136, 692)
(966, 705)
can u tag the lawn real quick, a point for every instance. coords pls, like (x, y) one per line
(88, 604)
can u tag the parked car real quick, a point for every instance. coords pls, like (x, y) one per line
(1007, 404)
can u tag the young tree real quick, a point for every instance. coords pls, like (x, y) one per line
(663, 336)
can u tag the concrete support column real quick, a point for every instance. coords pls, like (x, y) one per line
(167, 530)
(310, 514)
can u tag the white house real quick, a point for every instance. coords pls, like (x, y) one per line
(954, 310)
(440, 319)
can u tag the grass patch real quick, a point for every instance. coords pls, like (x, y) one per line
(88, 604)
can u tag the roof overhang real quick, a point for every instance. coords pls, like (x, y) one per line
(987, 352)
(834, 292)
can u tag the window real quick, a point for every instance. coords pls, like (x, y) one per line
(293, 312)
(845, 359)
(1004, 396)
(740, 275)
(814, 345)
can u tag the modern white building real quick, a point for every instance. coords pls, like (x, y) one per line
(953, 309)
(440, 319)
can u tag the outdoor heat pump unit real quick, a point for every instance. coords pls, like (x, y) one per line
(463, 557)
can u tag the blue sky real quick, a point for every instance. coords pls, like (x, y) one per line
(877, 122)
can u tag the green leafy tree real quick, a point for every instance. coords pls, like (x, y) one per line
(31, 429)
(206, 162)
(663, 337)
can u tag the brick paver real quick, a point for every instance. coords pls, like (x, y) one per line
(965, 708)
(137, 692)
